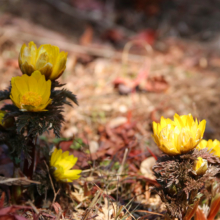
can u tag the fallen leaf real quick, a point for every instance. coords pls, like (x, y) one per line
(146, 36)
(17, 181)
(156, 84)
(199, 215)
(117, 122)
(146, 167)
(57, 208)
(87, 36)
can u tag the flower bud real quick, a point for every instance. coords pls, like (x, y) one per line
(200, 166)
(47, 59)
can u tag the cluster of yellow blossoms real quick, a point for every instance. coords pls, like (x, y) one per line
(181, 135)
(31, 92)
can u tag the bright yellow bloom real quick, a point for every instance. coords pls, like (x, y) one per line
(47, 59)
(214, 146)
(62, 162)
(200, 166)
(31, 93)
(178, 136)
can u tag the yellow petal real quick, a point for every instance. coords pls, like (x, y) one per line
(21, 83)
(59, 66)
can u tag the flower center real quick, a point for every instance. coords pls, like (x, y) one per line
(31, 98)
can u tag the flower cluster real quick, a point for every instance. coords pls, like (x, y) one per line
(31, 91)
(38, 107)
(182, 135)
(189, 170)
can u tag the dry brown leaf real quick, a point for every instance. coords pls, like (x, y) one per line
(17, 181)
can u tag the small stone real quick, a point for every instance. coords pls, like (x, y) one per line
(123, 108)
(70, 132)
(146, 167)
(93, 146)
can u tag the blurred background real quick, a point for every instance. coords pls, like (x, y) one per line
(129, 61)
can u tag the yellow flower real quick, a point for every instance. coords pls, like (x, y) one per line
(47, 59)
(200, 166)
(62, 162)
(31, 93)
(214, 146)
(2, 115)
(9, 122)
(178, 136)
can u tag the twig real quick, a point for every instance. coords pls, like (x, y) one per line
(51, 181)
(128, 46)
(92, 204)
(17, 181)
(153, 213)
(35, 209)
(112, 199)
(68, 46)
(121, 168)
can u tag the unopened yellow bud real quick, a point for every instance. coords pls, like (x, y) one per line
(200, 166)
(47, 59)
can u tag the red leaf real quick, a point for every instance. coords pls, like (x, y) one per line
(156, 84)
(2, 200)
(146, 36)
(65, 145)
(191, 211)
(8, 213)
(18, 217)
(7, 217)
(114, 35)
(153, 155)
(199, 215)
(12, 209)
(87, 36)
(57, 208)
(214, 208)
